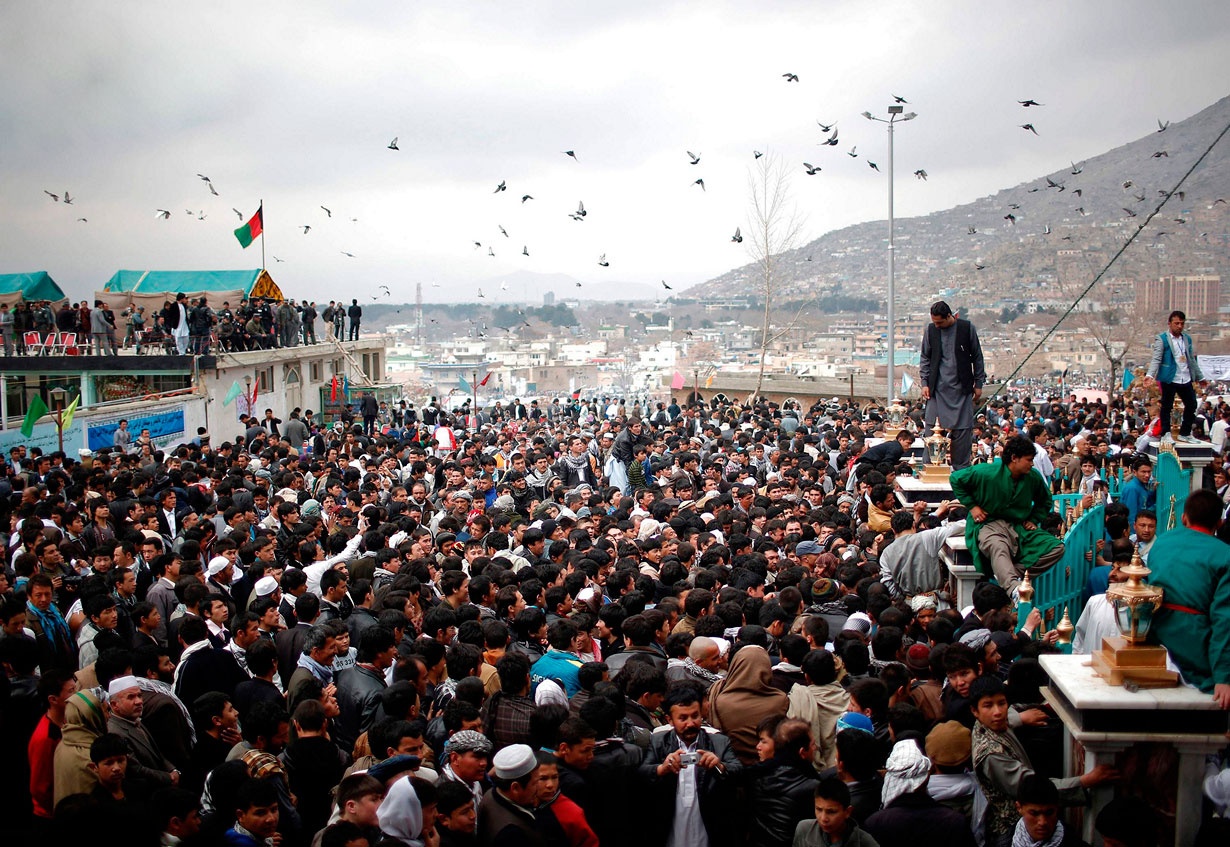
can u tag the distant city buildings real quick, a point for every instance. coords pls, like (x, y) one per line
(1198, 295)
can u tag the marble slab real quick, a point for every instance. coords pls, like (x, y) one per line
(1094, 706)
(911, 490)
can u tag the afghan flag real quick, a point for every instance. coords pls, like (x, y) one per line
(37, 409)
(248, 232)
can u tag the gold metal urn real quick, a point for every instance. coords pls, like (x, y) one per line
(1126, 659)
(938, 446)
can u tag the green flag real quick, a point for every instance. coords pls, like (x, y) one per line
(232, 394)
(37, 409)
(66, 419)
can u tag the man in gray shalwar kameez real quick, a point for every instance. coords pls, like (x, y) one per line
(951, 369)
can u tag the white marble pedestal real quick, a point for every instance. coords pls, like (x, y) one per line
(910, 490)
(1106, 720)
(1195, 457)
(962, 573)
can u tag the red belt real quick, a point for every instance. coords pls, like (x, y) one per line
(1187, 610)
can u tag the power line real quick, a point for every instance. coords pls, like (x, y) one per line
(1109, 264)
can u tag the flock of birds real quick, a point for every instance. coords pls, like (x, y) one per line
(829, 138)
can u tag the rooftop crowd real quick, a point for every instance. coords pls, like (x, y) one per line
(567, 623)
(183, 325)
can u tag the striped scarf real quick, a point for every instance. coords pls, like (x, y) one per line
(53, 626)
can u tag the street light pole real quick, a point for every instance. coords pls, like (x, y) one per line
(894, 115)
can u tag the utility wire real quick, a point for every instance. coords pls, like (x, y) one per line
(1109, 264)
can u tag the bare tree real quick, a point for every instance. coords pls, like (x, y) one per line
(1120, 330)
(773, 228)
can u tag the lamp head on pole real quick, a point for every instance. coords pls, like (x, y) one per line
(58, 395)
(909, 116)
(869, 116)
(896, 110)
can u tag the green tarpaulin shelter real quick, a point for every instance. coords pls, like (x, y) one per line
(29, 287)
(152, 289)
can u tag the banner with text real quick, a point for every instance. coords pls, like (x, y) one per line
(1215, 367)
(44, 438)
(164, 428)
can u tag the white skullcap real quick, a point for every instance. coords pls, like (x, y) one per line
(514, 762)
(217, 565)
(122, 683)
(265, 586)
(905, 772)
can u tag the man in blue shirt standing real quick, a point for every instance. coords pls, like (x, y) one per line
(1175, 366)
(1139, 492)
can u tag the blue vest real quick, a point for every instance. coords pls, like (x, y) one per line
(1166, 371)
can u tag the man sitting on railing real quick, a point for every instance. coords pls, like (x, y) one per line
(1007, 504)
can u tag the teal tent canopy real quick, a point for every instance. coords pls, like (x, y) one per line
(253, 283)
(29, 287)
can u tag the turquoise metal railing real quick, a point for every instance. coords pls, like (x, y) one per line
(1063, 586)
(1173, 486)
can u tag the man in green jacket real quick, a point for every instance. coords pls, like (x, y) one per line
(1007, 502)
(1192, 566)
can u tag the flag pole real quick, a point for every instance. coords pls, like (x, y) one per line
(475, 410)
(261, 207)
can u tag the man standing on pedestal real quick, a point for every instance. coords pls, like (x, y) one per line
(1192, 567)
(951, 366)
(1174, 366)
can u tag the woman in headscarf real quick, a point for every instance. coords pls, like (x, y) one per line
(909, 814)
(738, 703)
(401, 812)
(85, 719)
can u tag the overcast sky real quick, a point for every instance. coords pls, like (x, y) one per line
(123, 103)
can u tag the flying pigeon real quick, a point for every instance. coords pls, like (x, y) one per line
(212, 190)
(572, 154)
(602, 262)
(525, 251)
(826, 127)
(873, 166)
(756, 154)
(327, 212)
(501, 187)
(973, 230)
(789, 77)
(276, 259)
(306, 229)
(580, 212)
(1075, 169)
(481, 296)
(853, 152)
(525, 197)
(503, 231)
(897, 99)
(344, 253)
(68, 201)
(490, 251)
(162, 213)
(1161, 127)
(667, 287)
(737, 237)
(694, 157)
(1010, 218)
(701, 183)
(811, 169)
(55, 197)
(1028, 103)
(1029, 127)
(238, 213)
(1160, 154)
(393, 144)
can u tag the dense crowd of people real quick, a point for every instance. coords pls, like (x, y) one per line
(568, 623)
(182, 326)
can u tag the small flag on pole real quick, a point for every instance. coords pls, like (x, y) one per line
(709, 381)
(66, 420)
(346, 387)
(464, 386)
(483, 381)
(906, 383)
(254, 227)
(676, 381)
(37, 409)
(333, 390)
(1128, 377)
(232, 393)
